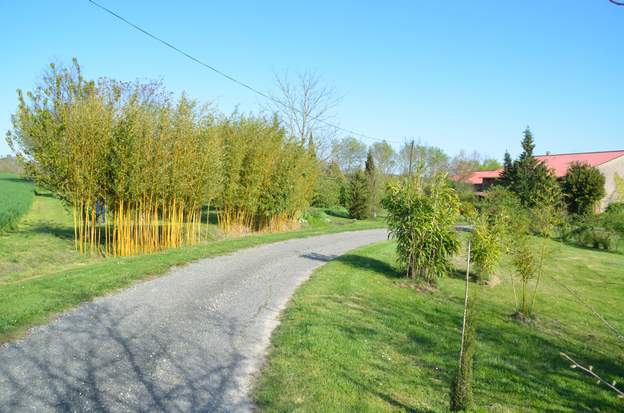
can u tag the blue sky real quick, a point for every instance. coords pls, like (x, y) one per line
(458, 75)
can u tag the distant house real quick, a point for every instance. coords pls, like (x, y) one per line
(609, 163)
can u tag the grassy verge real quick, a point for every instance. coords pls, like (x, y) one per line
(354, 338)
(41, 274)
(17, 195)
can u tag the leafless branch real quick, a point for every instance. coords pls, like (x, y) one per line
(596, 314)
(590, 370)
(308, 106)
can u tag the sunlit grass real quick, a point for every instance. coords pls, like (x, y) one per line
(356, 338)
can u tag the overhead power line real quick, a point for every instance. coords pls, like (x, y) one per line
(229, 77)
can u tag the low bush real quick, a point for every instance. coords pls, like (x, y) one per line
(602, 231)
(421, 217)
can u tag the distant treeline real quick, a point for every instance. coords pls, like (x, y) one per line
(10, 164)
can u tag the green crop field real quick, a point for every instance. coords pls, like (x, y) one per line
(16, 195)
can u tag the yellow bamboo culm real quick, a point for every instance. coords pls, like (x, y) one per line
(138, 167)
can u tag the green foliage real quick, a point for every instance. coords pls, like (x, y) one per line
(487, 245)
(329, 187)
(349, 153)
(462, 398)
(17, 196)
(499, 220)
(421, 217)
(532, 181)
(526, 264)
(618, 195)
(428, 160)
(613, 218)
(602, 231)
(384, 157)
(490, 165)
(359, 196)
(583, 186)
(150, 163)
(373, 179)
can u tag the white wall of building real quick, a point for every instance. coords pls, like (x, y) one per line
(609, 169)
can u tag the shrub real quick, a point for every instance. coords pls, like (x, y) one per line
(596, 231)
(583, 187)
(525, 262)
(487, 245)
(613, 218)
(421, 217)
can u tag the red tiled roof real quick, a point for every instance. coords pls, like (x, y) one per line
(477, 177)
(559, 163)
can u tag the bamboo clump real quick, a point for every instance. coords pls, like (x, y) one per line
(137, 169)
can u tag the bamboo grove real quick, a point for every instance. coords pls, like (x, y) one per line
(140, 170)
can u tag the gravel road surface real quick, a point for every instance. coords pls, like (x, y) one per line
(191, 340)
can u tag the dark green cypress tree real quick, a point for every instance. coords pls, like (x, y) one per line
(371, 177)
(528, 145)
(527, 177)
(359, 206)
(507, 176)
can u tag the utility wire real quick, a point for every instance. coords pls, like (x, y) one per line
(229, 77)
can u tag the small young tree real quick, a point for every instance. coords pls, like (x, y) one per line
(525, 262)
(462, 399)
(359, 204)
(421, 217)
(487, 244)
(583, 186)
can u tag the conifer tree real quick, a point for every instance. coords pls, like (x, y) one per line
(507, 178)
(373, 183)
(359, 195)
(529, 178)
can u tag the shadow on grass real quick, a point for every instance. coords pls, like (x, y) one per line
(618, 250)
(15, 179)
(385, 397)
(337, 213)
(460, 274)
(66, 233)
(512, 358)
(371, 264)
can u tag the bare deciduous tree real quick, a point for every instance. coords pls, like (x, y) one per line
(306, 108)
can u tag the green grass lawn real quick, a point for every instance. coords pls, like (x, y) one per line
(17, 195)
(41, 273)
(356, 338)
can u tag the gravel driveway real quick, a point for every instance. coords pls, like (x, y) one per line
(191, 340)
